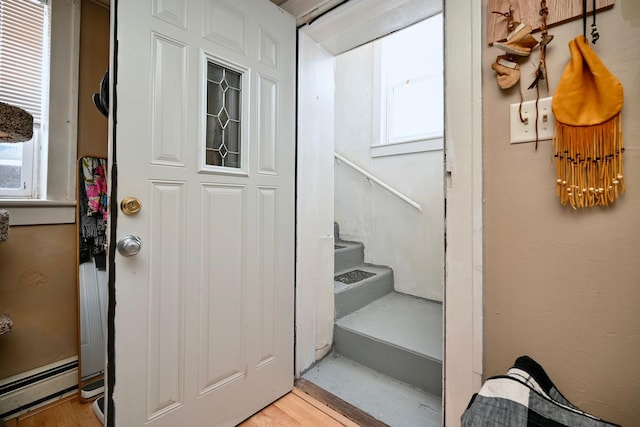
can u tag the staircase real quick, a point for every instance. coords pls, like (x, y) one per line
(387, 351)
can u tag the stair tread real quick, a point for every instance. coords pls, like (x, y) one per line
(347, 243)
(378, 270)
(404, 321)
(385, 398)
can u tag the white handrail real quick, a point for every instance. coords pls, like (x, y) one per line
(377, 181)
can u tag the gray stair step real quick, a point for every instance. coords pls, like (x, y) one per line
(347, 255)
(398, 335)
(386, 399)
(354, 296)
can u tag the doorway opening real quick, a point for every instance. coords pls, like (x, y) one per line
(371, 125)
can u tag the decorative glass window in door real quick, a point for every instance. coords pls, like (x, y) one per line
(224, 87)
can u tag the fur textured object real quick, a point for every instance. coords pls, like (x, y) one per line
(16, 124)
(4, 225)
(5, 324)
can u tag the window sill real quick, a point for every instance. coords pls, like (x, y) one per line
(422, 145)
(39, 212)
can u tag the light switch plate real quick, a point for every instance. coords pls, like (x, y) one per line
(526, 132)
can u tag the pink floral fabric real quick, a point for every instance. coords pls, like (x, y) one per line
(94, 172)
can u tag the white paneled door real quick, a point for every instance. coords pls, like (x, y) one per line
(204, 131)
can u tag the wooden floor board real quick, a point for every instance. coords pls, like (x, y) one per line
(68, 412)
(358, 416)
(292, 410)
(324, 408)
(271, 416)
(304, 413)
(296, 409)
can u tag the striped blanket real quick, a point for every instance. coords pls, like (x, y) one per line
(525, 397)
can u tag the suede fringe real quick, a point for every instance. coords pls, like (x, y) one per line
(589, 163)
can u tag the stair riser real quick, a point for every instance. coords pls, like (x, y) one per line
(348, 257)
(405, 366)
(359, 295)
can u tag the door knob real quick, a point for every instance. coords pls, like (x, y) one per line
(130, 205)
(129, 245)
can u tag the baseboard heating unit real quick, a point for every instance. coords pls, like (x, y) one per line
(29, 390)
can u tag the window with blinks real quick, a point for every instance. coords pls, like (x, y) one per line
(24, 83)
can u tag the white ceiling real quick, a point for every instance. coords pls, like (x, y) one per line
(306, 10)
(361, 21)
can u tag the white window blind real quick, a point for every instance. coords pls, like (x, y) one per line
(23, 54)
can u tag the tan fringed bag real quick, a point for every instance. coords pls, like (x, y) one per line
(588, 142)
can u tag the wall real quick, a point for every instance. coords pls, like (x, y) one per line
(562, 285)
(314, 229)
(38, 263)
(394, 233)
(38, 290)
(94, 54)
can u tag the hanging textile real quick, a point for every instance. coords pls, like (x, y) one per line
(93, 211)
(525, 397)
(588, 140)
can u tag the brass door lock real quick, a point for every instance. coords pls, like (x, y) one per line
(130, 206)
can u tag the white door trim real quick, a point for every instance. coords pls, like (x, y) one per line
(314, 181)
(464, 264)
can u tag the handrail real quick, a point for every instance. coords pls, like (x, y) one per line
(377, 181)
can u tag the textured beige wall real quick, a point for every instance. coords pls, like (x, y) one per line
(563, 286)
(38, 290)
(94, 51)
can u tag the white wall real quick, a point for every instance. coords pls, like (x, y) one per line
(394, 233)
(314, 246)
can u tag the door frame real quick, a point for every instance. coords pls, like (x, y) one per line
(463, 301)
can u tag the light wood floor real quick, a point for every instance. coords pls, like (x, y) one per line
(295, 409)
(68, 412)
(298, 409)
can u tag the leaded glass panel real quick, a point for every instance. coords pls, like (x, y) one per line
(224, 88)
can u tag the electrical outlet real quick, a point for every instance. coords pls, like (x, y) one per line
(526, 131)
